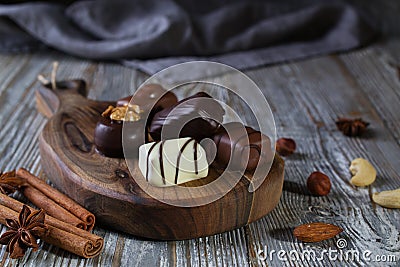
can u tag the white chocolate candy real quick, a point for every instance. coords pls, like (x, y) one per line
(172, 162)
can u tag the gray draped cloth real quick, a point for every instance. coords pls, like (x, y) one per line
(150, 35)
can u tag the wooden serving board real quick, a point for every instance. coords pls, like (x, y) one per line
(105, 186)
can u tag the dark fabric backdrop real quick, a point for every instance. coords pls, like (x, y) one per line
(151, 35)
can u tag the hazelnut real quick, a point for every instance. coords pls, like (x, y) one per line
(285, 146)
(318, 184)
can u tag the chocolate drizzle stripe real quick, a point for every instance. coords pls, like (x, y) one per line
(180, 154)
(147, 162)
(161, 161)
(196, 168)
(160, 158)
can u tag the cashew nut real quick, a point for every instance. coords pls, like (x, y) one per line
(388, 199)
(363, 172)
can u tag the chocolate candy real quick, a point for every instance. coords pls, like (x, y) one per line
(147, 101)
(151, 98)
(171, 162)
(243, 148)
(108, 131)
(108, 138)
(198, 116)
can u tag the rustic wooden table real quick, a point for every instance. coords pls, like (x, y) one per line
(306, 97)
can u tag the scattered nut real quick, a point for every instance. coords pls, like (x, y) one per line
(285, 146)
(363, 172)
(319, 184)
(317, 231)
(388, 199)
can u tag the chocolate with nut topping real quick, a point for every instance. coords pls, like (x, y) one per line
(108, 131)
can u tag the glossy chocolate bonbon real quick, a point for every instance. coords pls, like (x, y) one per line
(108, 138)
(108, 131)
(147, 101)
(242, 147)
(198, 116)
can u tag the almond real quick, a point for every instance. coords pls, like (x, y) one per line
(315, 232)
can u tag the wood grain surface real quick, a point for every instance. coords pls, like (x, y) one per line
(306, 97)
(111, 191)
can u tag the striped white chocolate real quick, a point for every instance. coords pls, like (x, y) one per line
(171, 162)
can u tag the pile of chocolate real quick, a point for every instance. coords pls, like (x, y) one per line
(167, 136)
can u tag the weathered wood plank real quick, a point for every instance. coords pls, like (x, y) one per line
(317, 91)
(306, 97)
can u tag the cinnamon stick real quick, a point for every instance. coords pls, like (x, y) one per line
(62, 200)
(52, 208)
(60, 234)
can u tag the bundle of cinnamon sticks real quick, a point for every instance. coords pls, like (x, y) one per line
(54, 202)
(68, 223)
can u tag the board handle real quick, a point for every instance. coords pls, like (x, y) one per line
(50, 96)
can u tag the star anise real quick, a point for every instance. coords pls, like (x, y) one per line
(351, 127)
(10, 182)
(23, 233)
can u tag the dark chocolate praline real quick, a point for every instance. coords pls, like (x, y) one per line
(108, 136)
(198, 116)
(243, 148)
